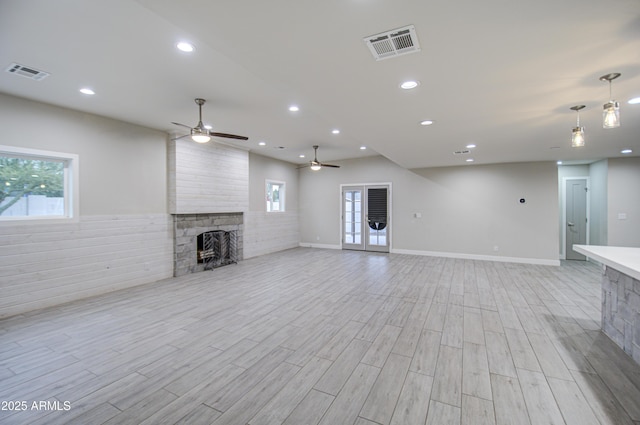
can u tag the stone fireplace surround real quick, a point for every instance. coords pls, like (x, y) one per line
(186, 229)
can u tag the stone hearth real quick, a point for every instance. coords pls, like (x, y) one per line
(187, 227)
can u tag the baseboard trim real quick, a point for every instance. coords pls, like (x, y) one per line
(519, 260)
(536, 261)
(319, 245)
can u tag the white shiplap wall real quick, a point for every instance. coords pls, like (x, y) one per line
(207, 178)
(269, 232)
(46, 265)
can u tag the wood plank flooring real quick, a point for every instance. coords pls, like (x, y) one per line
(310, 336)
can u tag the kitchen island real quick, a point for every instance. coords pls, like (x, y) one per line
(620, 294)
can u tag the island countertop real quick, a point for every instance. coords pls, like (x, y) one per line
(623, 259)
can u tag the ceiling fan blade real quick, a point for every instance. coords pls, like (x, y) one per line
(180, 137)
(330, 165)
(228, 136)
(177, 123)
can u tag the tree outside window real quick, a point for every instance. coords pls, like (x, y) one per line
(35, 186)
(275, 196)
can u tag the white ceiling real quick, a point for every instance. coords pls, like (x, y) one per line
(501, 74)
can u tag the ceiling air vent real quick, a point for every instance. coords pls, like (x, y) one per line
(393, 43)
(25, 71)
(462, 152)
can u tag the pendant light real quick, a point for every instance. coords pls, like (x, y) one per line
(577, 133)
(611, 112)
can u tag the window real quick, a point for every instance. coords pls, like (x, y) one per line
(275, 196)
(37, 184)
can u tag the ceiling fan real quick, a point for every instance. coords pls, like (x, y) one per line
(201, 134)
(317, 165)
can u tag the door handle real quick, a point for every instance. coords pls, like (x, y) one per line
(570, 224)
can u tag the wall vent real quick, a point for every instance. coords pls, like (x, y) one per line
(25, 71)
(393, 43)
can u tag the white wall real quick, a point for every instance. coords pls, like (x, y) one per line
(47, 265)
(466, 211)
(274, 231)
(598, 178)
(207, 178)
(122, 166)
(624, 198)
(123, 236)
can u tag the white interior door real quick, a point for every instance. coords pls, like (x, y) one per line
(576, 217)
(365, 218)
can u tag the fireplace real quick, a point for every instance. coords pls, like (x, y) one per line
(206, 241)
(217, 248)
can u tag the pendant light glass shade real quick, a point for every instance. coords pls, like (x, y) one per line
(611, 115)
(611, 112)
(577, 133)
(577, 137)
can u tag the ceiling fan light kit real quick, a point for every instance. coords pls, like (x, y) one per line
(611, 109)
(199, 136)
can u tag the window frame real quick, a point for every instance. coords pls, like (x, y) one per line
(71, 188)
(281, 195)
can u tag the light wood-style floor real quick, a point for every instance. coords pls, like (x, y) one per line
(310, 336)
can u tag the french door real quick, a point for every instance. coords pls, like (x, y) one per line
(365, 218)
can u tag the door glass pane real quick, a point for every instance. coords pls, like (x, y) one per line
(378, 237)
(377, 216)
(352, 217)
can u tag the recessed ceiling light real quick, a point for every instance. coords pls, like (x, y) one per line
(294, 108)
(87, 90)
(470, 146)
(469, 159)
(335, 131)
(301, 155)
(626, 151)
(426, 122)
(262, 143)
(185, 47)
(559, 162)
(363, 148)
(408, 85)
(634, 101)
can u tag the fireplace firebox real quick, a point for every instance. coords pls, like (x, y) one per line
(206, 241)
(217, 248)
